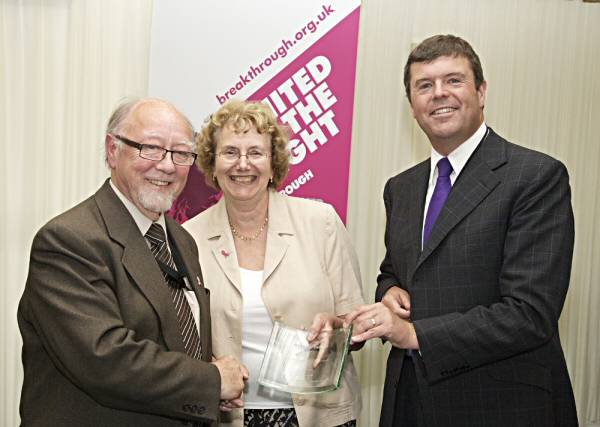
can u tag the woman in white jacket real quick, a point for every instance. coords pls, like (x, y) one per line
(269, 257)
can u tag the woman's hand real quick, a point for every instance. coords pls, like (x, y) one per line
(324, 322)
(319, 334)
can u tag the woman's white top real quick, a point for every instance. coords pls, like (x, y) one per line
(256, 330)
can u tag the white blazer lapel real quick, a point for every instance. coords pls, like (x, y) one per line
(223, 250)
(222, 246)
(280, 226)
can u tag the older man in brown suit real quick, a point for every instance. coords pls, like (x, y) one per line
(114, 316)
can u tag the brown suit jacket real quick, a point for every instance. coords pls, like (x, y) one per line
(486, 290)
(101, 343)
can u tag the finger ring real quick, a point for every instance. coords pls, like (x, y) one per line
(373, 322)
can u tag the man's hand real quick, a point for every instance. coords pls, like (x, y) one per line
(377, 320)
(397, 300)
(228, 405)
(233, 378)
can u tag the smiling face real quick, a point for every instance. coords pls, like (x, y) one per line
(242, 180)
(150, 185)
(445, 101)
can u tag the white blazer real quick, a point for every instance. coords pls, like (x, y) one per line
(310, 267)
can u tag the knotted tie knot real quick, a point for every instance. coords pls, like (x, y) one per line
(156, 235)
(158, 246)
(444, 168)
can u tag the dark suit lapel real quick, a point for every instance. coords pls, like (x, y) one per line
(140, 263)
(194, 276)
(416, 204)
(475, 182)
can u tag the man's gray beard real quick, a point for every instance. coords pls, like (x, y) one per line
(156, 202)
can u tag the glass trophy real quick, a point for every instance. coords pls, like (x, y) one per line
(294, 365)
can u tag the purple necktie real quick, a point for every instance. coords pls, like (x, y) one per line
(439, 196)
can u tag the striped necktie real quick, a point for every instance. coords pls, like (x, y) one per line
(187, 324)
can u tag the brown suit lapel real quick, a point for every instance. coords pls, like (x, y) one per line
(140, 263)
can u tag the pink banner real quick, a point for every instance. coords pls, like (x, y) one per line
(314, 97)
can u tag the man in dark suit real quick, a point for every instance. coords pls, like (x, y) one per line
(481, 237)
(114, 335)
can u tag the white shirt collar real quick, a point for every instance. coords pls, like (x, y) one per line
(459, 157)
(142, 221)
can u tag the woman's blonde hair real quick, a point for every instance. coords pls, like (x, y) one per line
(242, 116)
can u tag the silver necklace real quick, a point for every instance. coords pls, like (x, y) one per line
(249, 238)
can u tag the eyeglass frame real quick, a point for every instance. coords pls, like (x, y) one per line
(240, 155)
(140, 147)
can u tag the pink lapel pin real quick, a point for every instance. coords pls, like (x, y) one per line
(224, 253)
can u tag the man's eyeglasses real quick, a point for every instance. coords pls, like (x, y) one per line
(232, 155)
(156, 153)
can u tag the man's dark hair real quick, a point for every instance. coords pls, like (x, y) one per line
(443, 45)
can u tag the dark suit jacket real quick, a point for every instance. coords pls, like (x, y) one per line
(487, 289)
(101, 342)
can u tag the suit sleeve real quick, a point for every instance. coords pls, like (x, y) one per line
(386, 278)
(533, 282)
(70, 305)
(342, 265)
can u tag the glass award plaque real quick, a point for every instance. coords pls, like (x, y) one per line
(294, 365)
